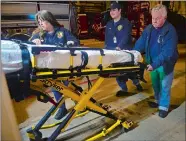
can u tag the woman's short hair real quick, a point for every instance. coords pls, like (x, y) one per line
(161, 8)
(47, 16)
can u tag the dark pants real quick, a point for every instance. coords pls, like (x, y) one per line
(122, 83)
(58, 95)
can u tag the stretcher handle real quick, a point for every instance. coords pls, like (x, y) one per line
(36, 50)
(143, 66)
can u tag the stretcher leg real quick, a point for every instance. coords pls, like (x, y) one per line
(62, 126)
(84, 102)
(105, 131)
(79, 107)
(33, 133)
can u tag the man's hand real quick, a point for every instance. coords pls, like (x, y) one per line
(37, 41)
(149, 68)
(70, 43)
(118, 48)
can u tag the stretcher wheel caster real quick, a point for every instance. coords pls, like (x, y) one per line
(106, 107)
(126, 126)
(124, 130)
(44, 139)
(34, 135)
(38, 135)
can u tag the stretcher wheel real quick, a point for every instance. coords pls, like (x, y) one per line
(106, 107)
(127, 125)
(37, 135)
(44, 139)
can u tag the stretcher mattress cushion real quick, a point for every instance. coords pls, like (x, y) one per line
(11, 56)
(60, 59)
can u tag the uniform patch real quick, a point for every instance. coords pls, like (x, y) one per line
(120, 27)
(60, 34)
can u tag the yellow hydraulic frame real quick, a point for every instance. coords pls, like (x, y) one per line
(83, 102)
(83, 99)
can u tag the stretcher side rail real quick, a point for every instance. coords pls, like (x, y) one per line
(106, 72)
(36, 50)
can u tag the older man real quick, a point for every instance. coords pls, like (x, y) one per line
(159, 42)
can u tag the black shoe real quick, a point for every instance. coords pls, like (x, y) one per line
(153, 104)
(123, 93)
(61, 113)
(139, 87)
(163, 113)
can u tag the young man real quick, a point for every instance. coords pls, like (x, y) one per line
(118, 37)
(159, 42)
(51, 32)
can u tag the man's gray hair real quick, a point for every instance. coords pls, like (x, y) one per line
(161, 8)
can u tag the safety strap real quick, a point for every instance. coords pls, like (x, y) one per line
(89, 83)
(132, 56)
(20, 89)
(84, 62)
(84, 58)
(26, 69)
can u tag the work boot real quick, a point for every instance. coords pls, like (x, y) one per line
(123, 93)
(153, 104)
(163, 113)
(139, 87)
(61, 112)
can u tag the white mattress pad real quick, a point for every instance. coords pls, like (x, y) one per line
(60, 59)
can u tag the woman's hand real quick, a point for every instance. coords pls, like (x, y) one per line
(118, 48)
(37, 41)
(70, 43)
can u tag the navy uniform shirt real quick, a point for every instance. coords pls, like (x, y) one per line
(118, 34)
(59, 36)
(155, 48)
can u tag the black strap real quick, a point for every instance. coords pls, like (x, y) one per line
(89, 83)
(132, 56)
(26, 69)
(18, 89)
(84, 58)
(84, 62)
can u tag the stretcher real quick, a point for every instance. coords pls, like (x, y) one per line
(37, 68)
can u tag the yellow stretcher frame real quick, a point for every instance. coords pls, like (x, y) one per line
(83, 103)
(83, 99)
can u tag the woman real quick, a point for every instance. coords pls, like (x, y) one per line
(51, 32)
